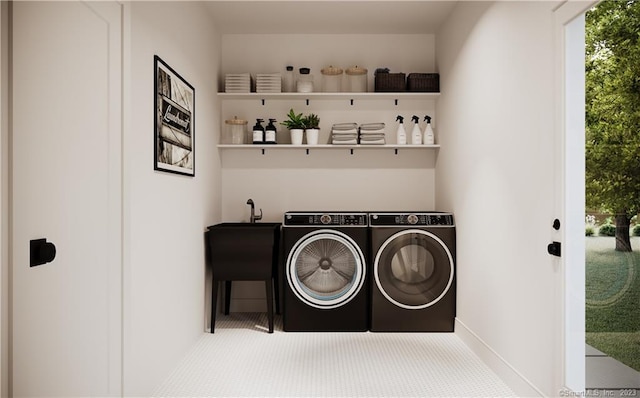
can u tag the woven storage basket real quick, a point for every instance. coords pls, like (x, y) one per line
(390, 82)
(423, 82)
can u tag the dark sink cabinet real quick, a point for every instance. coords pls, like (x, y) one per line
(243, 252)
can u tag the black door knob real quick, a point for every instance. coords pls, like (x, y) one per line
(555, 249)
(41, 252)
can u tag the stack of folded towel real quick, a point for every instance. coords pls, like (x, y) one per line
(344, 133)
(372, 133)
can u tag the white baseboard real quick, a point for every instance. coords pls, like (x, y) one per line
(514, 379)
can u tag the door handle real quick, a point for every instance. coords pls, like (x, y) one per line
(555, 249)
(41, 252)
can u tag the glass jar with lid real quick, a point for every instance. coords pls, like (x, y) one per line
(305, 81)
(235, 131)
(331, 79)
(356, 79)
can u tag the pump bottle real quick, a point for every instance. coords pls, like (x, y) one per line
(258, 132)
(416, 133)
(428, 132)
(401, 135)
(270, 133)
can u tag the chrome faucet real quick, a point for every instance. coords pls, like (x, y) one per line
(253, 217)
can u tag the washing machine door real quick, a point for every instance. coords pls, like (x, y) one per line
(326, 269)
(414, 269)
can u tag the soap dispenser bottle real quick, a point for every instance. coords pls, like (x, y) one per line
(428, 132)
(258, 132)
(401, 135)
(416, 134)
(270, 133)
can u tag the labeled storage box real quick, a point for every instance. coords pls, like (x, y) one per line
(389, 82)
(423, 82)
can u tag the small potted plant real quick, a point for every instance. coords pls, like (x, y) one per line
(312, 128)
(296, 124)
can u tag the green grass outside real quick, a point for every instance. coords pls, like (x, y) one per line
(613, 299)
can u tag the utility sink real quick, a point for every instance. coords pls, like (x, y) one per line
(241, 251)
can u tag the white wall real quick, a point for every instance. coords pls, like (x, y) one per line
(279, 180)
(267, 53)
(167, 214)
(495, 172)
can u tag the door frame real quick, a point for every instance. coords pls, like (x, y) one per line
(570, 186)
(4, 196)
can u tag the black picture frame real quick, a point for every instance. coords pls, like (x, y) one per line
(174, 127)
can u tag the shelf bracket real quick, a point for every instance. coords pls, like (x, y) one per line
(396, 101)
(396, 150)
(352, 151)
(263, 102)
(307, 101)
(351, 101)
(263, 151)
(307, 151)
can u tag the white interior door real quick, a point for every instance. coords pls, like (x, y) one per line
(66, 187)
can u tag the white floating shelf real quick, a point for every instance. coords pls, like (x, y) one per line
(326, 147)
(328, 96)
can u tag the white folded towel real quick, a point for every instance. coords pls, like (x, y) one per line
(380, 141)
(372, 126)
(353, 141)
(370, 132)
(344, 132)
(344, 126)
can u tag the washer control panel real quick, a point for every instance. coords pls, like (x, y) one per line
(418, 219)
(328, 219)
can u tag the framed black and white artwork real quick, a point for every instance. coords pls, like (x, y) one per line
(174, 116)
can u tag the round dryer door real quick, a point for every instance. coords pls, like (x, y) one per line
(414, 269)
(325, 269)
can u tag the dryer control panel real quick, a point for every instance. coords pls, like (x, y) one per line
(328, 219)
(418, 219)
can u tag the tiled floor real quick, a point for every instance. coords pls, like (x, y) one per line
(610, 377)
(242, 360)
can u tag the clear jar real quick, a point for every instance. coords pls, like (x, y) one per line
(331, 80)
(287, 82)
(357, 79)
(235, 131)
(305, 81)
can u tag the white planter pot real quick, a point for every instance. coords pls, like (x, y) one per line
(296, 136)
(312, 136)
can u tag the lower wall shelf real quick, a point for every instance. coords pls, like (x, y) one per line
(308, 148)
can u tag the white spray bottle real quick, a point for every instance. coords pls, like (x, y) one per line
(401, 135)
(428, 132)
(416, 134)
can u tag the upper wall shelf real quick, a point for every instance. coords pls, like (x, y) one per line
(329, 96)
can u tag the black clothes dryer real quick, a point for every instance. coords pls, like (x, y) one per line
(325, 274)
(414, 273)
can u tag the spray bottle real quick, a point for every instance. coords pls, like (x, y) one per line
(270, 133)
(401, 135)
(416, 134)
(428, 132)
(258, 132)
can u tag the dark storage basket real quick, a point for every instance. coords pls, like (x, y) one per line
(423, 82)
(390, 82)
